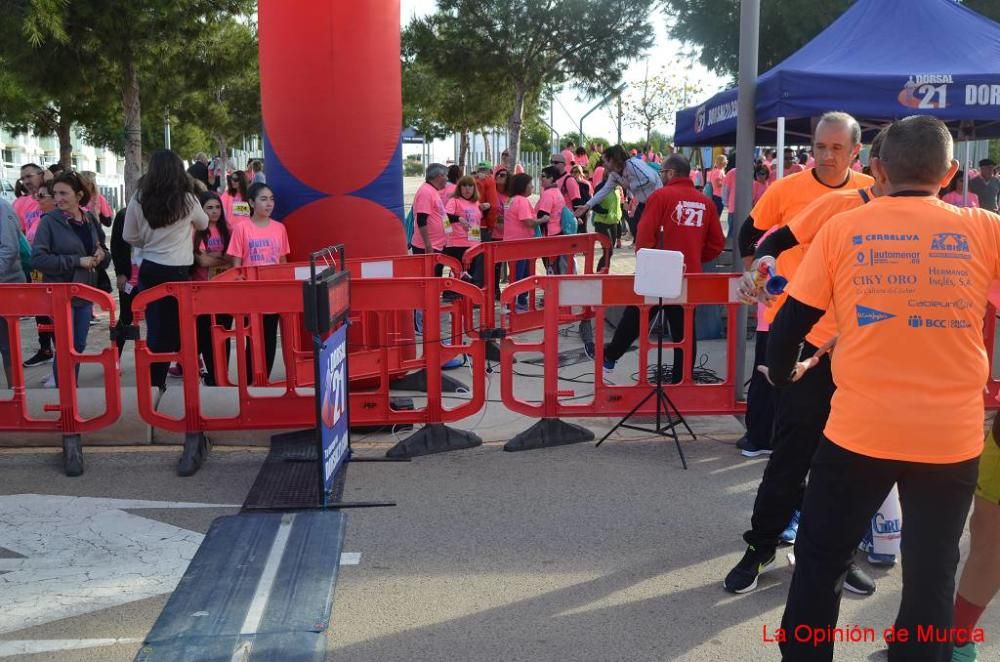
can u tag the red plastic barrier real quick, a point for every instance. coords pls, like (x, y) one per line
(367, 333)
(598, 293)
(294, 406)
(496, 252)
(54, 300)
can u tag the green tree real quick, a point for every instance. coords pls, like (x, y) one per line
(653, 101)
(125, 38)
(582, 42)
(712, 27)
(43, 89)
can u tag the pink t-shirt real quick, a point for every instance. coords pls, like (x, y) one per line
(791, 170)
(581, 160)
(256, 245)
(237, 210)
(447, 192)
(955, 198)
(729, 183)
(467, 231)
(518, 209)
(551, 202)
(213, 245)
(758, 189)
(428, 201)
(569, 189)
(598, 176)
(856, 166)
(716, 177)
(29, 213)
(99, 207)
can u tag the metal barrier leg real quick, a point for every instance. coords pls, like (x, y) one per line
(194, 454)
(72, 455)
(549, 432)
(417, 381)
(434, 438)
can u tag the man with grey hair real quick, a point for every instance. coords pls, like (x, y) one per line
(800, 409)
(428, 212)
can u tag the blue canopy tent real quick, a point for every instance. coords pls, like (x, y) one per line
(881, 60)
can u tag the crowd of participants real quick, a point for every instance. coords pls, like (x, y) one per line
(842, 422)
(180, 225)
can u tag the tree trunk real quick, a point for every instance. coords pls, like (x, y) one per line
(487, 152)
(463, 147)
(133, 128)
(514, 126)
(65, 144)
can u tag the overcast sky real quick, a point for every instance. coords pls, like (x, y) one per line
(600, 123)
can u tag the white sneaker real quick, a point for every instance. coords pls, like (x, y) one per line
(607, 374)
(50, 382)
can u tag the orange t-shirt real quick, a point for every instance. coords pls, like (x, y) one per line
(806, 224)
(780, 203)
(908, 278)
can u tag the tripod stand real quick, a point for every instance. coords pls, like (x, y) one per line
(664, 405)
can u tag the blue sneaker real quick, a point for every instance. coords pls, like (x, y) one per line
(792, 530)
(606, 369)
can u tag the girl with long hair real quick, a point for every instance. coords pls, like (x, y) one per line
(210, 260)
(158, 220)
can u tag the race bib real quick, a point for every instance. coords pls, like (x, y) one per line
(241, 209)
(447, 226)
(215, 271)
(36, 276)
(474, 232)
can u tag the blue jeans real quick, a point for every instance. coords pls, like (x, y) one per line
(522, 269)
(81, 327)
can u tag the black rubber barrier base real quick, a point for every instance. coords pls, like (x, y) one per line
(288, 478)
(434, 438)
(549, 432)
(417, 381)
(194, 454)
(72, 455)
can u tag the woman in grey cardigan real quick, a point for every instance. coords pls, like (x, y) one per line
(68, 248)
(10, 272)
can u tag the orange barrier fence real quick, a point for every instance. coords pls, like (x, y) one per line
(55, 301)
(598, 293)
(511, 252)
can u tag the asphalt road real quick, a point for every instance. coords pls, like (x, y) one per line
(572, 553)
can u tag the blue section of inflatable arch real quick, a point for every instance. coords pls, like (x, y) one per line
(386, 190)
(293, 193)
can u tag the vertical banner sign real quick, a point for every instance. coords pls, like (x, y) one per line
(333, 423)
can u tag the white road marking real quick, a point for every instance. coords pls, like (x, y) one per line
(84, 554)
(346, 558)
(256, 610)
(10, 648)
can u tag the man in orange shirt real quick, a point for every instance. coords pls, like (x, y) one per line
(908, 277)
(836, 140)
(799, 410)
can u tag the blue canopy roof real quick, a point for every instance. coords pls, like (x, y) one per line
(882, 59)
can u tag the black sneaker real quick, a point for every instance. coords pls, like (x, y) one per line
(857, 581)
(743, 578)
(749, 449)
(41, 357)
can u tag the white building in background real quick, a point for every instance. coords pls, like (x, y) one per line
(18, 149)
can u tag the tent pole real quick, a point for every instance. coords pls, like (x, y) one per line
(746, 129)
(781, 147)
(965, 173)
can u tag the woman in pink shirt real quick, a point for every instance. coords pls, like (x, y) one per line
(454, 174)
(260, 241)
(235, 204)
(98, 204)
(952, 194)
(210, 260)
(717, 178)
(520, 221)
(464, 218)
(761, 180)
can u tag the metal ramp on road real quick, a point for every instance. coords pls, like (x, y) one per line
(259, 589)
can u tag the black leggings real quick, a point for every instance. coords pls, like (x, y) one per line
(163, 328)
(270, 323)
(608, 231)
